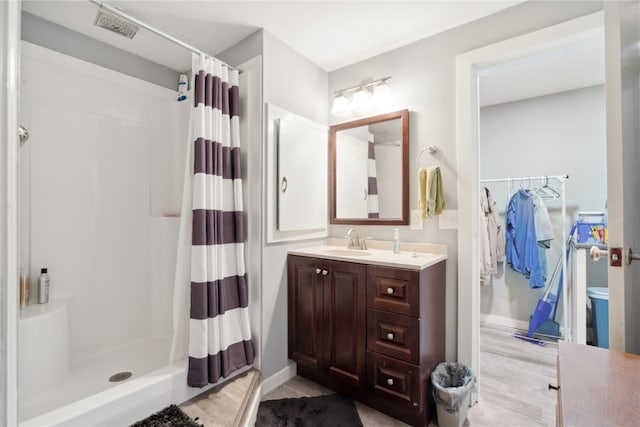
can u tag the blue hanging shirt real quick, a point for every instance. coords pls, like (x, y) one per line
(522, 245)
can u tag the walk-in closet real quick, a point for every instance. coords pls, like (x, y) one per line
(542, 167)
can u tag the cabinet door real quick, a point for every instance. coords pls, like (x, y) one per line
(305, 311)
(344, 313)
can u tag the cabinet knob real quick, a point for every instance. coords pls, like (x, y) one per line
(389, 336)
(389, 291)
(389, 381)
(325, 272)
(318, 271)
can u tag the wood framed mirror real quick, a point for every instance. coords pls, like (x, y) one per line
(369, 170)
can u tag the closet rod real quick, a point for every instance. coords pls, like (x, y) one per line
(526, 178)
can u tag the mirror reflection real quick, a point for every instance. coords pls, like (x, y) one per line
(369, 170)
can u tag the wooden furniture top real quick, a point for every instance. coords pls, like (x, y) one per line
(598, 387)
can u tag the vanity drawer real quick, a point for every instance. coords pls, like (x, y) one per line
(393, 290)
(394, 380)
(393, 335)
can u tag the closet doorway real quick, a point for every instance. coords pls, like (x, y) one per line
(542, 146)
(514, 53)
(542, 158)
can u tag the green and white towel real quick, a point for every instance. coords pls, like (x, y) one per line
(431, 200)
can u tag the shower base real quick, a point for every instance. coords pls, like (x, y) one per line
(91, 376)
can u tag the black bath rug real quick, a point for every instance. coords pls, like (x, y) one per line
(335, 410)
(171, 416)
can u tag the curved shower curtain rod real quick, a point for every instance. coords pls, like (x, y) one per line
(154, 30)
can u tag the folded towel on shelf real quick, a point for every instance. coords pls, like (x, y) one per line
(431, 199)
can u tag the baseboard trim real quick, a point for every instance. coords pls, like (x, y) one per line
(509, 323)
(504, 321)
(278, 378)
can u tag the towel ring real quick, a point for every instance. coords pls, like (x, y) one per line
(431, 149)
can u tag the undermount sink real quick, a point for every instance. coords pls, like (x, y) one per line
(347, 252)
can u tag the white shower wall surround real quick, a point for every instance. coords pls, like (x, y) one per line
(103, 163)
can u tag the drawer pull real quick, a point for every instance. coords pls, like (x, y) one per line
(389, 336)
(553, 387)
(318, 271)
(325, 272)
(389, 381)
(389, 291)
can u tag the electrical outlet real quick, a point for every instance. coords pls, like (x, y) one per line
(448, 219)
(415, 222)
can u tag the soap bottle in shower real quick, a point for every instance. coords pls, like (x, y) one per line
(182, 87)
(396, 241)
(43, 287)
(24, 288)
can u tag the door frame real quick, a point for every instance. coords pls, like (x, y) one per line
(9, 144)
(622, 68)
(468, 67)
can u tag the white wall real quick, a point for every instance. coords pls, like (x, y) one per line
(296, 84)
(94, 199)
(424, 82)
(557, 134)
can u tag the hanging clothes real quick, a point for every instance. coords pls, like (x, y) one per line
(544, 231)
(521, 241)
(492, 240)
(484, 253)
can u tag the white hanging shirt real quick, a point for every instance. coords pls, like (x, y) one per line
(544, 230)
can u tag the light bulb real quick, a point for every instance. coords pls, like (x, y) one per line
(382, 95)
(361, 101)
(340, 105)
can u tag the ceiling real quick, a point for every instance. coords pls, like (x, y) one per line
(571, 67)
(332, 34)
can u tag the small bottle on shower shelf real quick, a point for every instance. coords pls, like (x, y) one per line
(396, 241)
(43, 287)
(24, 289)
(182, 87)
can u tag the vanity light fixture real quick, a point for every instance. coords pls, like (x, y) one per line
(361, 100)
(340, 105)
(364, 97)
(381, 95)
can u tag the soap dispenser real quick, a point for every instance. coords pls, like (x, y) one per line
(43, 287)
(396, 241)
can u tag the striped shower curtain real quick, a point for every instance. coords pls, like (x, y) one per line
(373, 210)
(219, 330)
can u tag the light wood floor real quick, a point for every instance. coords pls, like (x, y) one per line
(514, 390)
(224, 405)
(515, 377)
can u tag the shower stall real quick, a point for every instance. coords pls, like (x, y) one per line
(99, 176)
(99, 198)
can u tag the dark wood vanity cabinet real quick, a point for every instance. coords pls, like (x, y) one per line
(326, 303)
(373, 332)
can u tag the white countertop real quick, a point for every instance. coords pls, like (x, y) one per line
(412, 256)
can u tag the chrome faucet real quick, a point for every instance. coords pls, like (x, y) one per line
(354, 240)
